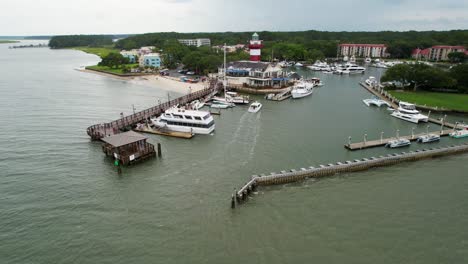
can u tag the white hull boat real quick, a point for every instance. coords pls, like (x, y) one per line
(255, 107)
(428, 138)
(408, 112)
(219, 106)
(398, 143)
(376, 102)
(180, 120)
(302, 89)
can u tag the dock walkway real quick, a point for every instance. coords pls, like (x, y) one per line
(341, 167)
(98, 131)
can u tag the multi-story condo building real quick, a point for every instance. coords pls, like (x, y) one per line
(440, 53)
(363, 50)
(196, 42)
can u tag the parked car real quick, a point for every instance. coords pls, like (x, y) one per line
(190, 73)
(182, 71)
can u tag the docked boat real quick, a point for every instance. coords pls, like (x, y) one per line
(352, 59)
(228, 102)
(368, 60)
(196, 104)
(180, 120)
(398, 143)
(219, 106)
(302, 89)
(316, 81)
(459, 133)
(375, 101)
(408, 112)
(371, 81)
(255, 107)
(235, 98)
(428, 138)
(298, 64)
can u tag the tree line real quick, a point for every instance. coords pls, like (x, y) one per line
(58, 42)
(400, 44)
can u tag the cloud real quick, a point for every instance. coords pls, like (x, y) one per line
(26, 17)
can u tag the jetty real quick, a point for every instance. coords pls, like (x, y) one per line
(42, 45)
(99, 131)
(384, 95)
(301, 174)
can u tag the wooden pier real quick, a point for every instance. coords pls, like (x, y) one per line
(99, 131)
(341, 167)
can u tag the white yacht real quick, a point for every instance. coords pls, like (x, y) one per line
(298, 64)
(233, 97)
(428, 138)
(196, 104)
(375, 101)
(319, 66)
(302, 89)
(180, 120)
(371, 81)
(397, 143)
(354, 69)
(255, 107)
(408, 112)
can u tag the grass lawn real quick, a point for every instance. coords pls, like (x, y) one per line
(100, 51)
(111, 70)
(446, 100)
(8, 41)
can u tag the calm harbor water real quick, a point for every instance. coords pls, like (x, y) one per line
(61, 200)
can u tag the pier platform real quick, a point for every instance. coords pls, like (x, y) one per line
(149, 130)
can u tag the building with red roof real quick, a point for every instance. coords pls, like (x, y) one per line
(440, 52)
(420, 54)
(363, 50)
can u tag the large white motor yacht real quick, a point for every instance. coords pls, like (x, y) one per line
(302, 89)
(180, 120)
(408, 112)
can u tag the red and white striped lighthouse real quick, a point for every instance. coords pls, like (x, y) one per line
(255, 48)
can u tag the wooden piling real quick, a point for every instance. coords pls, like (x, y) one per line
(159, 150)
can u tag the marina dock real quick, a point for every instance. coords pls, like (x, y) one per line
(99, 131)
(384, 95)
(285, 94)
(294, 175)
(384, 141)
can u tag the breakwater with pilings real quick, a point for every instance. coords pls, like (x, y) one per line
(294, 175)
(99, 131)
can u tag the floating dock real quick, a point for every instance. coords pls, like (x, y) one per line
(279, 96)
(384, 141)
(341, 167)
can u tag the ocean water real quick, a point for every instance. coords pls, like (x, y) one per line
(62, 201)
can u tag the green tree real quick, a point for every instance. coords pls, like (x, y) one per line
(113, 60)
(456, 57)
(418, 76)
(460, 74)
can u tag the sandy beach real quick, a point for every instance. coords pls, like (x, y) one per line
(161, 82)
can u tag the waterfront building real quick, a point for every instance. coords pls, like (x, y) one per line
(127, 147)
(254, 74)
(437, 53)
(196, 42)
(363, 50)
(130, 55)
(151, 59)
(255, 47)
(229, 48)
(440, 52)
(420, 54)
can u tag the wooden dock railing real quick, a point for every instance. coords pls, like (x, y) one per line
(99, 131)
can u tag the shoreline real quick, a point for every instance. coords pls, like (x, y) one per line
(155, 81)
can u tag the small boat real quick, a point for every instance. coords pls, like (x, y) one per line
(255, 107)
(371, 81)
(375, 101)
(459, 133)
(328, 72)
(368, 60)
(219, 106)
(298, 64)
(428, 138)
(197, 104)
(316, 81)
(302, 89)
(398, 143)
(233, 97)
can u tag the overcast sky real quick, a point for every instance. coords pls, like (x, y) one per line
(52, 17)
